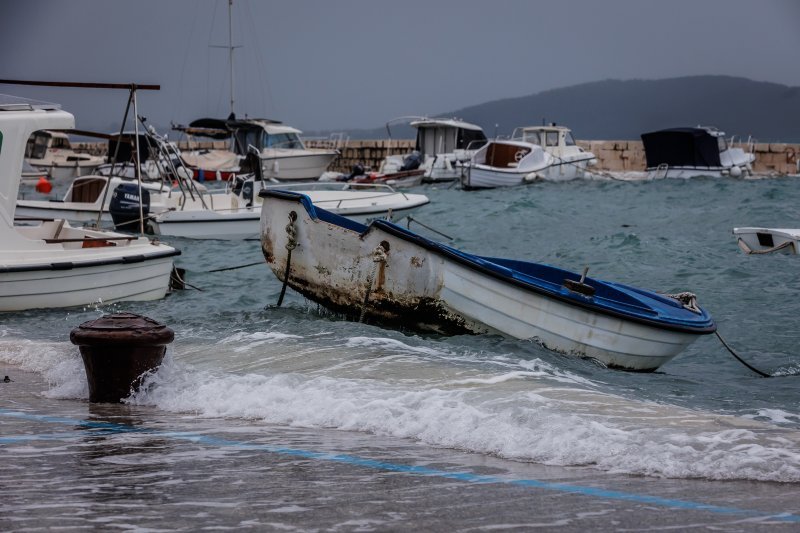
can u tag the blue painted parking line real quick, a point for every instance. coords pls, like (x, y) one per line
(469, 477)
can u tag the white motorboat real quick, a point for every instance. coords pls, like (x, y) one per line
(235, 213)
(390, 275)
(767, 240)
(442, 149)
(52, 264)
(692, 152)
(51, 152)
(283, 154)
(533, 153)
(90, 196)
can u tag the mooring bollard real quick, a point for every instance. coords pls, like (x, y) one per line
(117, 350)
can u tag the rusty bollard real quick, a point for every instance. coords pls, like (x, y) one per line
(117, 350)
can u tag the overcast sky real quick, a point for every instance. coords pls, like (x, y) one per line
(323, 64)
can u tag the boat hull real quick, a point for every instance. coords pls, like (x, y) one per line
(288, 165)
(421, 289)
(83, 285)
(487, 177)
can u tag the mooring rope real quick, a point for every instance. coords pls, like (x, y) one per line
(410, 220)
(378, 257)
(235, 267)
(733, 353)
(291, 244)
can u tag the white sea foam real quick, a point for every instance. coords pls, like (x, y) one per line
(524, 425)
(517, 415)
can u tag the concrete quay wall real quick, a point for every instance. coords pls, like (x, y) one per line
(771, 158)
(613, 156)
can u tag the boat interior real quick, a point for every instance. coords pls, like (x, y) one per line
(505, 155)
(86, 189)
(58, 232)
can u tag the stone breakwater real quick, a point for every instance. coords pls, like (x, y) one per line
(613, 156)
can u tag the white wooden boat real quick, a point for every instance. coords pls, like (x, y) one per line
(692, 152)
(52, 264)
(236, 212)
(395, 277)
(533, 153)
(443, 148)
(766, 240)
(51, 152)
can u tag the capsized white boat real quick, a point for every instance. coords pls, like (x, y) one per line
(533, 153)
(52, 264)
(235, 213)
(766, 240)
(691, 152)
(399, 278)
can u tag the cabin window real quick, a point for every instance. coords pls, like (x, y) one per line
(532, 137)
(471, 139)
(36, 147)
(284, 140)
(568, 139)
(722, 144)
(551, 138)
(246, 137)
(61, 143)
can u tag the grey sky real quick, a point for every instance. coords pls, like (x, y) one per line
(319, 64)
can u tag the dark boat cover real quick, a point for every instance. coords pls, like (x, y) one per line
(681, 147)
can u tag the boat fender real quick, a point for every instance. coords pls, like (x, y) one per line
(579, 286)
(43, 186)
(736, 172)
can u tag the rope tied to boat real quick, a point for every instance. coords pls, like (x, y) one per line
(379, 256)
(291, 244)
(687, 299)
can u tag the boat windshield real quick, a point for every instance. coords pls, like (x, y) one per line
(722, 144)
(284, 140)
(551, 138)
(36, 148)
(569, 139)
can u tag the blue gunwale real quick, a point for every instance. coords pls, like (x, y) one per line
(613, 299)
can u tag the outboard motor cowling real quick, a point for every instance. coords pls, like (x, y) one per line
(124, 206)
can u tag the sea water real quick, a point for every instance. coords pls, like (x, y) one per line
(238, 358)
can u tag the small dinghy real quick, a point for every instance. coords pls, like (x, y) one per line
(390, 275)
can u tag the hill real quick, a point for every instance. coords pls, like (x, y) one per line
(617, 109)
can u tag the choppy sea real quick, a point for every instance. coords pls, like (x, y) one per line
(238, 358)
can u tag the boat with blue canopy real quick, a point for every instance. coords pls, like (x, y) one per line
(390, 275)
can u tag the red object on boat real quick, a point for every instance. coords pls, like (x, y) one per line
(213, 175)
(43, 186)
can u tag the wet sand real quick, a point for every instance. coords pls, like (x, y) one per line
(71, 464)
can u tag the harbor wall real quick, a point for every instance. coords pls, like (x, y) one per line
(614, 156)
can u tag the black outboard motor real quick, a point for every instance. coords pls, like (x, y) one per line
(124, 206)
(411, 162)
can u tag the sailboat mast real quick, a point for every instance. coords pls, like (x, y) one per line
(230, 47)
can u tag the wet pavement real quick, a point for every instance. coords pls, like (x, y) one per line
(69, 464)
